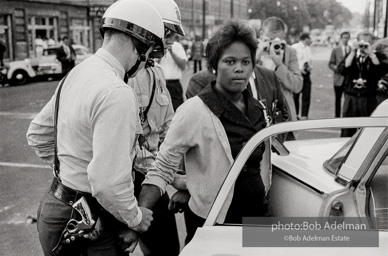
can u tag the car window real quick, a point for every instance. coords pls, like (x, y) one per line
(333, 164)
(379, 187)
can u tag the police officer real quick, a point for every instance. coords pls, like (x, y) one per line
(156, 112)
(95, 136)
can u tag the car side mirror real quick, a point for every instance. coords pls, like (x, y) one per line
(278, 147)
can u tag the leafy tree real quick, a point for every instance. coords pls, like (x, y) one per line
(299, 13)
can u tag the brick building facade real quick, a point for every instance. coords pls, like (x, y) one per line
(22, 22)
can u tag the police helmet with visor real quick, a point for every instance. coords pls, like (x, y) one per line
(138, 19)
(171, 16)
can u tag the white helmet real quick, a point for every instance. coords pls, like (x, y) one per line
(136, 18)
(170, 14)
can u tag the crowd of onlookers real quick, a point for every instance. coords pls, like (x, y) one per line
(368, 78)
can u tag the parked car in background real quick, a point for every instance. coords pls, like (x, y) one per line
(20, 72)
(331, 177)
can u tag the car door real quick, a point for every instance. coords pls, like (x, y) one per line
(364, 171)
(376, 126)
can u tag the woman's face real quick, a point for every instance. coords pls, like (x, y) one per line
(234, 69)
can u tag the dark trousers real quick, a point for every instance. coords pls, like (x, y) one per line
(53, 215)
(199, 62)
(192, 222)
(176, 92)
(306, 97)
(338, 91)
(162, 236)
(357, 106)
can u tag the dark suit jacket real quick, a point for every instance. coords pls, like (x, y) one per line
(368, 71)
(269, 89)
(67, 64)
(336, 57)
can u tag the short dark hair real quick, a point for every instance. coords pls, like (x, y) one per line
(274, 24)
(304, 36)
(344, 33)
(231, 32)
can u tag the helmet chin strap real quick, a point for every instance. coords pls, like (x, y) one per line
(140, 59)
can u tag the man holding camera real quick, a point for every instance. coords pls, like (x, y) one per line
(305, 65)
(363, 69)
(273, 53)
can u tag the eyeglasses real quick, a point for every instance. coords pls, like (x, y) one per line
(363, 46)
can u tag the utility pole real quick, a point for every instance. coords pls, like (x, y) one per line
(203, 19)
(386, 19)
(193, 17)
(374, 16)
(231, 9)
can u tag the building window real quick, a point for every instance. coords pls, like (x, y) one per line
(6, 35)
(42, 33)
(80, 32)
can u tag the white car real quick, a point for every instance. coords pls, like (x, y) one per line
(20, 72)
(337, 177)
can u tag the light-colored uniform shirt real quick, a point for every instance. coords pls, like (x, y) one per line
(171, 70)
(159, 115)
(98, 125)
(304, 54)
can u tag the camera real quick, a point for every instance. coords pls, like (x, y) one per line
(359, 83)
(363, 45)
(277, 45)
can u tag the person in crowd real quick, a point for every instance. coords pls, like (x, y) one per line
(228, 116)
(382, 90)
(173, 64)
(283, 60)
(381, 46)
(197, 52)
(39, 46)
(198, 81)
(337, 56)
(51, 42)
(156, 112)
(305, 65)
(3, 48)
(363, 69)
(66, 55)
(88, 132)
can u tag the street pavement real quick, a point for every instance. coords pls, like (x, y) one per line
(25, 178)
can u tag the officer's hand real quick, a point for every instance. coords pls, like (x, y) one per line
(128, 239)
(93, 235)
(145, 221)
(179, 201)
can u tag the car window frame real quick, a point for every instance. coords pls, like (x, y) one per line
(274, 130)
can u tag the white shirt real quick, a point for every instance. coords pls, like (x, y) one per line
(304, 54)
(171, 70)
(98, 123)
